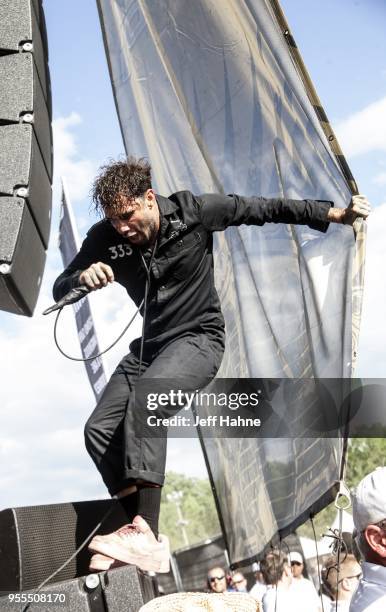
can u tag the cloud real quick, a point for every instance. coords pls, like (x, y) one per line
(77, 171)
(372, 356)
(380, 179)
(364, 131)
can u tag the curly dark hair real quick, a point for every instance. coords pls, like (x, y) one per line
(130, 177)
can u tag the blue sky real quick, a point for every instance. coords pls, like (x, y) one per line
(46, 399)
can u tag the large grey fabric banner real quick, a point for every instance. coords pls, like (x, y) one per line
(208, 92)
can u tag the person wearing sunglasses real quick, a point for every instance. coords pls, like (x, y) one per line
(369, 515)
(301, 587)
(217, 580)
(239, 582)
(340, 580)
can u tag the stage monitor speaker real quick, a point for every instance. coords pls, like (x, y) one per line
(20, 244)
(124, 589)
(36, 540)
(194, 562)
(26, 164)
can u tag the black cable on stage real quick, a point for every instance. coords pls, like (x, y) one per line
(98, 526)
(102, 352)
(317, 559)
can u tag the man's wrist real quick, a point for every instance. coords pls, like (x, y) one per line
(336, 215)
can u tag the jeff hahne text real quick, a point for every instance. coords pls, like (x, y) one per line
(182, 400)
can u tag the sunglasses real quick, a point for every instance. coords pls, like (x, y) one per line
(357, 576)
(213, 578)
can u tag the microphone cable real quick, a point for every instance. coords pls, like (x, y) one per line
(142, 304)
(102, 352)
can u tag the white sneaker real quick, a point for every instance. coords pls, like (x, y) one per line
(136, 544)
(99, 563)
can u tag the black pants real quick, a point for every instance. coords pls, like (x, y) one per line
(113, 431)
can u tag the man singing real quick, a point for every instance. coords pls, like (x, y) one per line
(160, 250)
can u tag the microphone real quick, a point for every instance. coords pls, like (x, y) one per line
(72, 296)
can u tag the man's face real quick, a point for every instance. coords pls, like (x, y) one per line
(297, 569)
(217, 580)
(138, 220)
(349, 578)
(239, 582)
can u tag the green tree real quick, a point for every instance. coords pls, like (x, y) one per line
(364, 455)
(197, 507)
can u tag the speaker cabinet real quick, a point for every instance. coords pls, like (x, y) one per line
(21, 165)
(36, 540)
(26, 163)
(124, 589)
(22, 27)
(22, 257)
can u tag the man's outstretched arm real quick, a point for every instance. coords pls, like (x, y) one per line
(218, 211)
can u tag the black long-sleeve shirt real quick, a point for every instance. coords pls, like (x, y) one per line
(182, 296)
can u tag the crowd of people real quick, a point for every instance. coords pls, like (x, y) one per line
(279, 583)
(349, 582)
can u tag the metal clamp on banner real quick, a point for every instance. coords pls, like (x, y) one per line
(342, 502)
(343, 497)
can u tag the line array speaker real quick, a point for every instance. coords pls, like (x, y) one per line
(26, 163)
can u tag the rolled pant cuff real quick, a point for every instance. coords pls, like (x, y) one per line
(133, 476)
